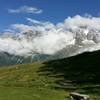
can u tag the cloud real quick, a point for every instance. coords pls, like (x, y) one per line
(75, 35)
(21, 27)
(47, 24)
(33, 21)
(26, 9)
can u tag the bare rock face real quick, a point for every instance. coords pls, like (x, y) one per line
(77, 96)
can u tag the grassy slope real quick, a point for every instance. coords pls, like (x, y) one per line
(52, 80)
(23, 82)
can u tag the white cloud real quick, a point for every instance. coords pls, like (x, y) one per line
(33, 21)
(21, 27)
(26, 9)
(46, 24)
(81, 33)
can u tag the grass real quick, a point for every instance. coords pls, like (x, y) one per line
(23, 82)
(52, 80)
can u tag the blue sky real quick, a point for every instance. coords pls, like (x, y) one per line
(53, 10)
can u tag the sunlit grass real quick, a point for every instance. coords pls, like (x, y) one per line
(51, 80)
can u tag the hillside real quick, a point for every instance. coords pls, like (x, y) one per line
(52, 80)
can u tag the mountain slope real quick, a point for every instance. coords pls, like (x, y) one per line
(10, 59)
(52, 79)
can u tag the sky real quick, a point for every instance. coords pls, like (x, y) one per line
(54, 11)
(30, 27)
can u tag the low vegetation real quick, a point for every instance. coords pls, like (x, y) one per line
(52, 80)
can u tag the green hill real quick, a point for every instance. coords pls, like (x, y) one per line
(52, 80)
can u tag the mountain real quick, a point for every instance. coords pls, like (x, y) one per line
(30, 46)
(10, 59)
(52, 79)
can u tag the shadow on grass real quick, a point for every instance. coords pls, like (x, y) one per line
(77, 72)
